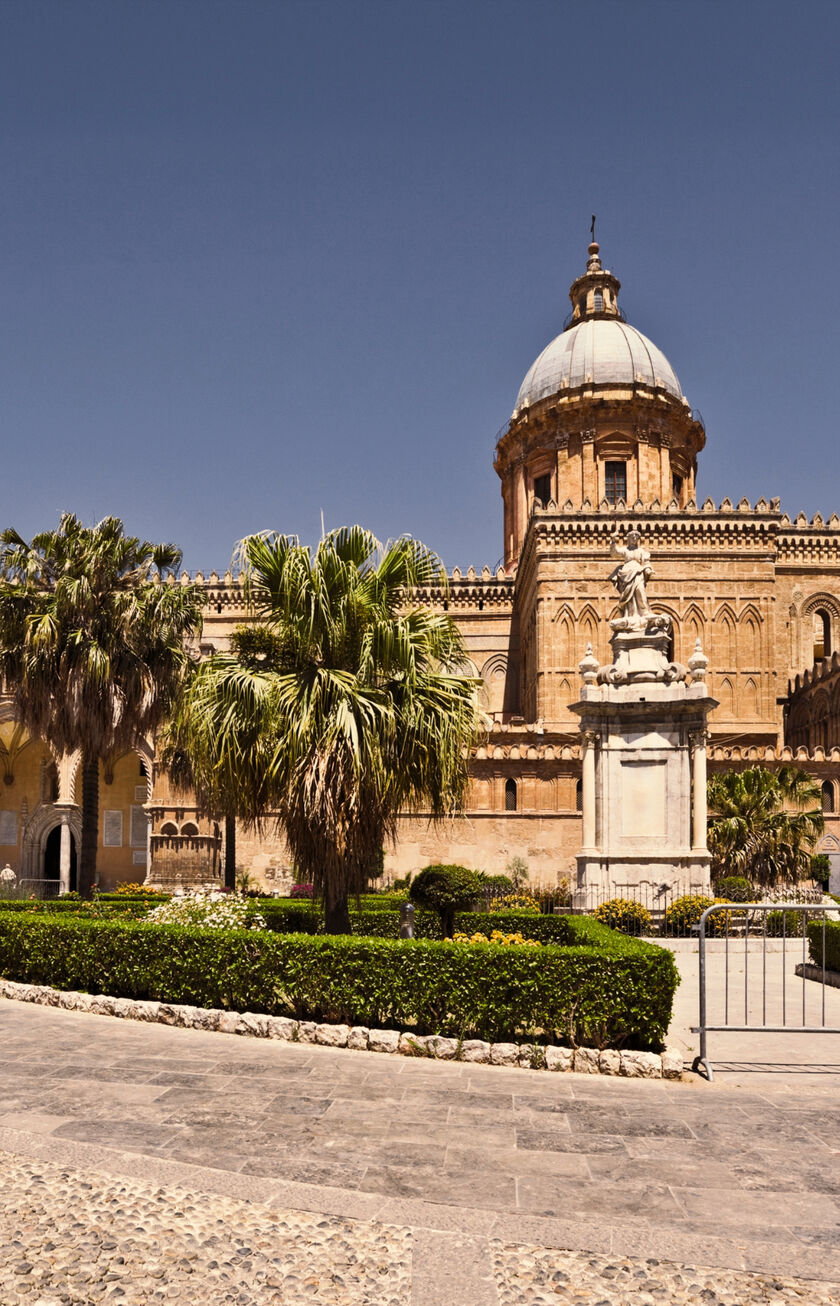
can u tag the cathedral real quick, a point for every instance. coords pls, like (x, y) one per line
(601, 441)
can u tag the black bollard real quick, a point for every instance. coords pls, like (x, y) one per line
(407, 920)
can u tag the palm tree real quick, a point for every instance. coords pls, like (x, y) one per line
(194, 754)
(348, 707)
(92, 645)
(764, 823)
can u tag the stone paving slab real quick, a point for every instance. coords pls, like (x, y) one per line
(690, 1173)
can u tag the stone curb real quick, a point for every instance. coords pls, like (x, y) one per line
(526, 1056)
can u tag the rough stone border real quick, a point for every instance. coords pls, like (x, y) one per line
(812, 972)
(527, 1056)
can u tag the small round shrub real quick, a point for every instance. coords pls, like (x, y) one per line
(736, 888)
(445, 890)
(785, 924)
(516, 902)
(685, 912)
(625, 915)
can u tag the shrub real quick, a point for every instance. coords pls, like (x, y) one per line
(301, 891)
(685, 912)
(601, 989)
(516, 902)
(821, 869)
(784, 924)
(214, 910)
(736, 888)
(625, 915)
(445, 890)
(832, 943)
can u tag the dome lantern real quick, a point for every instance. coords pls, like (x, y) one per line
(595, 294)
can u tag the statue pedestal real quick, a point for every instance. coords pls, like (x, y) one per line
(644, 771)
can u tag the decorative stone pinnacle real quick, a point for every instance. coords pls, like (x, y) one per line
(589, 667)
(697, 664)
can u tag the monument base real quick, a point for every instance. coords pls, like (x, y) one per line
(643, 726)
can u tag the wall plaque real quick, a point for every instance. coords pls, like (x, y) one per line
(138, 857)
(139, 827)
(8, 828)
(112, 828)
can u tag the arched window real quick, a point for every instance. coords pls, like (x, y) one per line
(189, 828)
(510, 795)
(599, 301)
(169, 828)
(579, 796)
(827, 796)
(822, 635)
(144, 770)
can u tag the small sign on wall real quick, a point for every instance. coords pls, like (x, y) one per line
(8, 829)
(138, 857)
(139, 827)
(112, 828)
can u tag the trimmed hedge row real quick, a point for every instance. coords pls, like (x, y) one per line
(601, 990)
(102, 906)
(284, 918)
(832, 943)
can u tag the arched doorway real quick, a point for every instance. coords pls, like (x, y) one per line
(52, 856)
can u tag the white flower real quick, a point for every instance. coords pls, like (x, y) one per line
(209, 909)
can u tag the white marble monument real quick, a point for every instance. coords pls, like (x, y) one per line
(643, 726)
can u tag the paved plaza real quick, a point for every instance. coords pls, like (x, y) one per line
(145, 1163)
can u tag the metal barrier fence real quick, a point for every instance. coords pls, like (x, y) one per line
(655, 898)
(29, 887)
(747, 936)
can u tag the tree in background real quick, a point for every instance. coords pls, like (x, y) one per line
(200, 760)
(355, 707)
(93, 645)
(764, 823)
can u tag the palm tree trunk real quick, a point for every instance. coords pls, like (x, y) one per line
(337, 914)
(90, 825)
(230, 852)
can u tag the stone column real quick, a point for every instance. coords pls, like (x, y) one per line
(698, 776)
(588, 791)
(64, 855)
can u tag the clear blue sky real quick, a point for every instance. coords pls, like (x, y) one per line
(264, 259)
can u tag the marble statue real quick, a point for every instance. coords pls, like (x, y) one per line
(630, 578)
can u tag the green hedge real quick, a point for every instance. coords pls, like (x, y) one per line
(602, 989)
(101, 906)
(832, 943)
(293, 917)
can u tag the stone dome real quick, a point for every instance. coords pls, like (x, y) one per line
(599, 351)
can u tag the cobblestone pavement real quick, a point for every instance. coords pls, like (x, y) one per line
(475, 1166)
(539, 1277)
(75, 1238)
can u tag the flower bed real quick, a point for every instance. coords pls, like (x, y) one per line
(600, 989)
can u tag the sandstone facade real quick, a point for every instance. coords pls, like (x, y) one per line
(601, 440)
